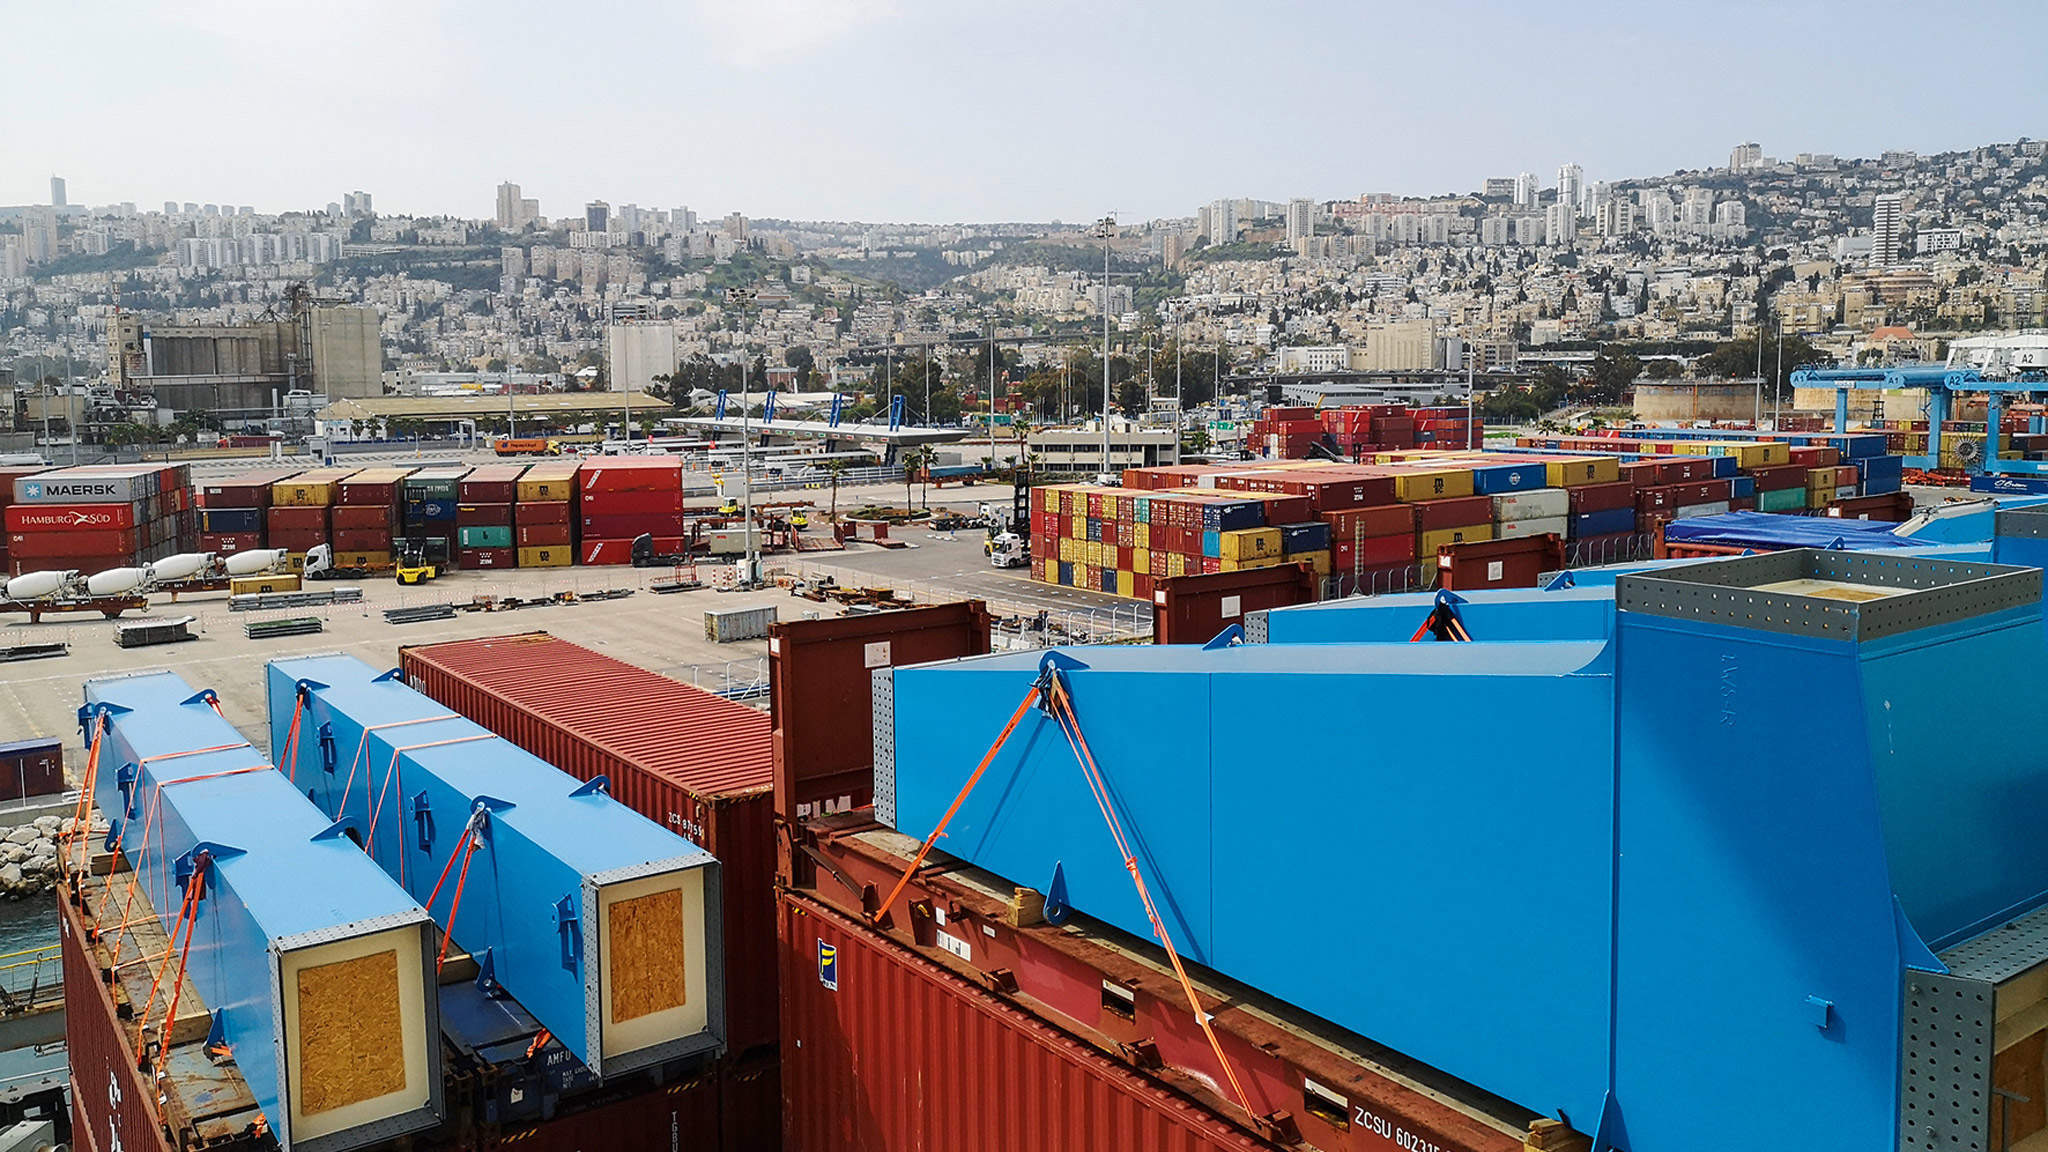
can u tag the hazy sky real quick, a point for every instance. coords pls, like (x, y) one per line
(945, 110)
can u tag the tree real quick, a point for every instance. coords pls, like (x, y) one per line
(1614, 373)
(834, 469)
(799, 357)
(1661, 369)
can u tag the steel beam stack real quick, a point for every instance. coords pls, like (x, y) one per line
(604, 925)
(318, 969)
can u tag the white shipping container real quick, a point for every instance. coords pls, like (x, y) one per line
(1717, 508)
(1846, 492)
(66, 486)
(1518, 529)
(1535, 504)
(726, 625)
(730, 541)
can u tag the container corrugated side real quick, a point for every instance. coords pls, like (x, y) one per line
(678, 755)
(883, 1051)
(115, 1104)
(728, 625)
(682, 1115)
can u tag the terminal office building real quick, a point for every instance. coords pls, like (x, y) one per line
(242, 373)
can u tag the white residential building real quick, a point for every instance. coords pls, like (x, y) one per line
(1888, 213)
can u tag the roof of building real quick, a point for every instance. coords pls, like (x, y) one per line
(456, 407)
(1891, 332)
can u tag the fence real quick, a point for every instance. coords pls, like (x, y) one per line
(745, 681)
(29, 976)
(1019, 624)
(1418, 578)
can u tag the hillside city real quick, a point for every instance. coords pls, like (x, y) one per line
(1872, 260)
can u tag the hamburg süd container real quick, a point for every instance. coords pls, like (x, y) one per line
(601, 923)
(319, 969)
(678, 755)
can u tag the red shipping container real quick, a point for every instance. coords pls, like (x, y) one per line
(69, 517)
(552, 512)
(368, 492)
(612, 551)
(22, 565)
(1639, 473)
(297, 541)
(491, 484)
(487, 557)
(697, 764)
(361, 539)
(1349, 555)
(104, 542)
(1587, 498)
(864, 1018)
(469, 515)
(1683, 495)
(360, 516)
(1457, 512)
(627, 527)
(630, 474)
(634, 503)
(1779, 477)
(1815, 456)
(1358, 523)
(1845, 475)
(285, 518)
(230, 541)
(542, 535)
(245, 490)
(1683, 469)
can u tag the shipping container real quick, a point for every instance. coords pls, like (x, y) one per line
(674, 753)
(474, 514)
(88, 486)
(819, 690)
(542, 513)
(546, 557)
(630, 474)
(245, 489)
(319, 486)
(728, 625)
(372, 486)
(32, 767)
(552, 481)
(476, 559)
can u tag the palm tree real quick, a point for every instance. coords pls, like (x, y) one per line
(835, 469)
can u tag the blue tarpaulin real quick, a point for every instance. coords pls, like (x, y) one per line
(1770, 531)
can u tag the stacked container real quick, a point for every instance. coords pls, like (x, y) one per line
(232, 511)
(298, 518)
(7, 478)
(427, 523)
(99, 517)
(624, 497)
(484, 517)
(544, 518)
(366, 516)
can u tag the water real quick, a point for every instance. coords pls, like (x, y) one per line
(28, 923)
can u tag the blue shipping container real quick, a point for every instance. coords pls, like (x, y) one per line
(1603, 523)
(1496, 480)
(1310, 537)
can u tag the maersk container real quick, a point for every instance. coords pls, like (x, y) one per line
(602, 924)
(678, 755)
(727, 625)
(319, 969)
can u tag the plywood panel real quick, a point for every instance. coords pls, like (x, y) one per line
(351, 1046)
(647, 955)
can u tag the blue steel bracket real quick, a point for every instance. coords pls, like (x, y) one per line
(203, 696)
(305, 688)
(1057, 911)
(393, 674)
(1230, 637)
(1609, 1135)
(596, 786)
(1819, 1012)
(1052, 666)
(1560, 582)
(340, 828)
(327, 747)
(124, 781)
(569, 926)
(423, 815)
(87, 713)
(1913, 951)
(487, 975)
(199, 859)
(217, 1036)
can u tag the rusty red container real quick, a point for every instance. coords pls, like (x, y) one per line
(346, 517)
(627, 527)
(542, 535)
(1779, 477)
(630, 474)
(286, 518)
(1369, 552)
(1195, 609)
(59, 544)
(31, 768)
(361, 539)
(684, 1114)
(474, 514)
(478, 558)
(292, 541)
(549, 512)
(229, 541)
(886, 1052)
(244, 489)
(1588, 498)
(1457, 512)
(1683, 469)
(117, 1108)
(750, 1104)
(491, 484)
(633, 503)
(684, 758)
(1364, 523)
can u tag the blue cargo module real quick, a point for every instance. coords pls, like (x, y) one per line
(601, 923)
(317, 969)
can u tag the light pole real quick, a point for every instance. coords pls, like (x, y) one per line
(1105, 228)
(1778, 385)
(1180, 336)
(739, 298)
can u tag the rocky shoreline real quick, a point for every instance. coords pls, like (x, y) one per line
(28, 856)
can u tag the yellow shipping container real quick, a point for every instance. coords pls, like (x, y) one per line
(1141, 536)
(1433, 484)
(1820, 478)
(362, 559)
(1068, 549)
(1319, 560)
(258, 585)
(1245, 543)
(1141, 561)
(549, 482)
(1583, 470)
(551, 556)
(1248, 563)
(309, 489)
(1428, 542)
(1048, 498)
(1077, 527)
(1819, 497)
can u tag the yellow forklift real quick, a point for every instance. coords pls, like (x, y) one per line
(413, 567)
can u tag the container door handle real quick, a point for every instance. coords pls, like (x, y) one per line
(423, 815)
(569, 926)
(327, 748)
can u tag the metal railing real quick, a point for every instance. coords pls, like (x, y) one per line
(745, 681)
(1019, 623)
(29, 977)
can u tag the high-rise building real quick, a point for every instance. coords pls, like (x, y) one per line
(1746, 157)
(1571, 185)
(357, 204)
(1560, 223)
(1171, 248)
(1731, 214)
(683, 220)
(1223, 222)
(1499, 187)
(509, 205)
(597, 216)
(39, 235)
(1301, 220)
(1527, 189)
(1888, 218)
(57, 199)
(1617, 217)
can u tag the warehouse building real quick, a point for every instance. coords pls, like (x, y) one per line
(332, 350)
